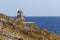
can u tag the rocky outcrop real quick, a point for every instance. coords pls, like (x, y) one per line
(11, 30)
(8, 18)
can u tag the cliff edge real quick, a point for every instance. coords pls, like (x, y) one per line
(12, 29)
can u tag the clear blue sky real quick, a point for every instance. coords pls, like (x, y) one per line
(31, 7)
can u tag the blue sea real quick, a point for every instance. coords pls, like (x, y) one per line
(50, 23)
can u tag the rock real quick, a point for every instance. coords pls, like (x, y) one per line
(10, 30)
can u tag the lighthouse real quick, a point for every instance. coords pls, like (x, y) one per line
(20, 16)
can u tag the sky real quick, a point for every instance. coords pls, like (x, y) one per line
(30, 7)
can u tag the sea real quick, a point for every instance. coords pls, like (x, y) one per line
(50, 23)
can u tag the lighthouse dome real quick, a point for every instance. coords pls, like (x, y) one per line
(20, 10)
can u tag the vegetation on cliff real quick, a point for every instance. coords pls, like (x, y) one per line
(9, 29)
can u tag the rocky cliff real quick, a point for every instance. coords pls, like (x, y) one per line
(11, 29)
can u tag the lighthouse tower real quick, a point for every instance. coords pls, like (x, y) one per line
(20, 16)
